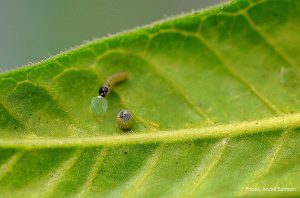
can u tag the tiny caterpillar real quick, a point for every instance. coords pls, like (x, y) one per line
(124, 119)
(105, 89)
(99, 103)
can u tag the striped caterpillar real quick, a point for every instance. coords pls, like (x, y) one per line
(105, 89)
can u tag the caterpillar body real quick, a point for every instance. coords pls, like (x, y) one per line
(107, 86)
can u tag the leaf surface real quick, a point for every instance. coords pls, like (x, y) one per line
(215, 95)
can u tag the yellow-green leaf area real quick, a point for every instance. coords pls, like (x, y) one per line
(216, 99)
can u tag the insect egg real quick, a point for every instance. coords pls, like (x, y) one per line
(99, 103)
(124, 119)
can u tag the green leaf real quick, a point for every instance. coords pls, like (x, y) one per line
(215, 95)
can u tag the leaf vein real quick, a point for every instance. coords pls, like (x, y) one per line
(57, 177)
(271, 43)
(145, 171)
(93, 173)
(12, 114)
(10, 163)
(268, 161)
(212, 159)
(230, 69)
(288, 121)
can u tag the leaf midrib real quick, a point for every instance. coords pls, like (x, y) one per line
(288, 121)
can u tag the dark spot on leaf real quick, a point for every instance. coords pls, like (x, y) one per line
(15, 127)
(125, 152)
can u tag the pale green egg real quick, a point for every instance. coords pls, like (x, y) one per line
(99, 105)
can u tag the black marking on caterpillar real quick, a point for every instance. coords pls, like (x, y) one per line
(105, 89)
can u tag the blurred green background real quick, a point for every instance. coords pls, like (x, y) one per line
(32, 30)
